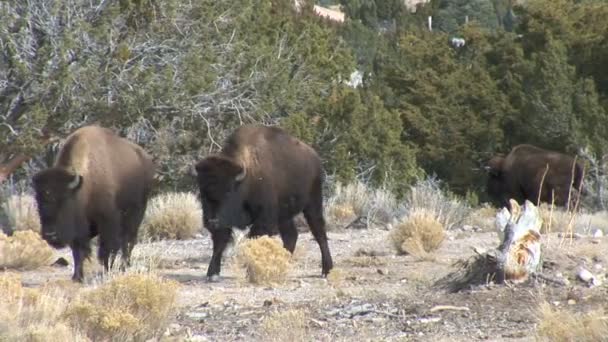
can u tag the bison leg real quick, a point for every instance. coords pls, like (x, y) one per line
(316, 222)
(80, 251)
(131, 223)
(289, 235)
(220, 237)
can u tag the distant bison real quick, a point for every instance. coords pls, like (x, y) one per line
(99, 185)
(263, 177)
(520, 173)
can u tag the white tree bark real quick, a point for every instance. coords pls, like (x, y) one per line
(519, 253)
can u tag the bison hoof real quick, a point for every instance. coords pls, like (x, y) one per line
(213, 278)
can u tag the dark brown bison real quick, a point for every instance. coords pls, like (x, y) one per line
(519, 175)
(98, 185)
(263, 177)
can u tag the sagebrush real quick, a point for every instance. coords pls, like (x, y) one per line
(265, 260)
(419, 234)
(34, 314)
(561, 325)
(22, 212)
(172, 216)
(129, 307)
(24, 250)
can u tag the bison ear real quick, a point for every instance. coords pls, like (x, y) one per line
(75, 183)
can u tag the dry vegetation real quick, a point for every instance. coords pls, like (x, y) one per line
(132, 306)
(33, 314)
(373, 207)
(561, 325)
(22, 212)
(129, 307)
(427, 195)
(419, 234)
(172, 216)
(289, 325)
(264, 259)
(24, 250)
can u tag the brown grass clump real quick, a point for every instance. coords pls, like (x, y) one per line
(33, 314)
(172, 216)
(289, 325)
(24, 250)
(129, 307)
(22, 213)
(420, 234)
(341, 213)
(265, 260)
(557, 325)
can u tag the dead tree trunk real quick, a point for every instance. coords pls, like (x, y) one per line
(9, 166)
(519, 253)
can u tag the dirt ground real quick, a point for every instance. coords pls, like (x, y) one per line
(374, 295)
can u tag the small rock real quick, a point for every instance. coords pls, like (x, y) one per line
(584, 275)
(597, 233)
(61, 262)
(197, 316)
(267, 302)
(382, 272)
(571, 302)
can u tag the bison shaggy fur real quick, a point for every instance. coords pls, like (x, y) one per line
(263, 177)
(98, 186)
(519, 176)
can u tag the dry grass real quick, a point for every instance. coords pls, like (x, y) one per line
(172, 216)
(420, 234)
(427, 195)
(129, 307)
(376, 206)
(22, 212)
(557, 325)
(483, 217)
(33, 314)
(24, 250)
(288, 325)
(265, 260)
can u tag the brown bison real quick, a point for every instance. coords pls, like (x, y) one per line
(263, 177)
(519, 176)
(98, 185)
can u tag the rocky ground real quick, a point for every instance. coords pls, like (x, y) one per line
(374, 295)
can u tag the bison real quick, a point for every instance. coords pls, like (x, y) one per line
(99, 185)
(519, 176)
(262, 177)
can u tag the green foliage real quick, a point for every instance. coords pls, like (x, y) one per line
(177, 77)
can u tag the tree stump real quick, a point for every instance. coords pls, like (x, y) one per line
(519, 253)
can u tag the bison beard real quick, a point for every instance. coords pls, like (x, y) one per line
(262, 177)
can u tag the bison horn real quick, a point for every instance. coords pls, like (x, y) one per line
(75, 182)
(241, 175)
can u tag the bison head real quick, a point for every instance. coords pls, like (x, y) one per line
(58, 207)
(496, 183)
(221, 183)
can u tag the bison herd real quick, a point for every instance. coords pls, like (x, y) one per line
(262, 178)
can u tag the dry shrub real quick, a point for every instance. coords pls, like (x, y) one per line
(376, 206)
(22, 212)
(28, 314)
(556, 219)
(129, 307)
(483, 217)
(557, 325)
(289, 325)
(265, 260)
(24, 250)
(172, 216)
(420, 234)
(427, 195)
